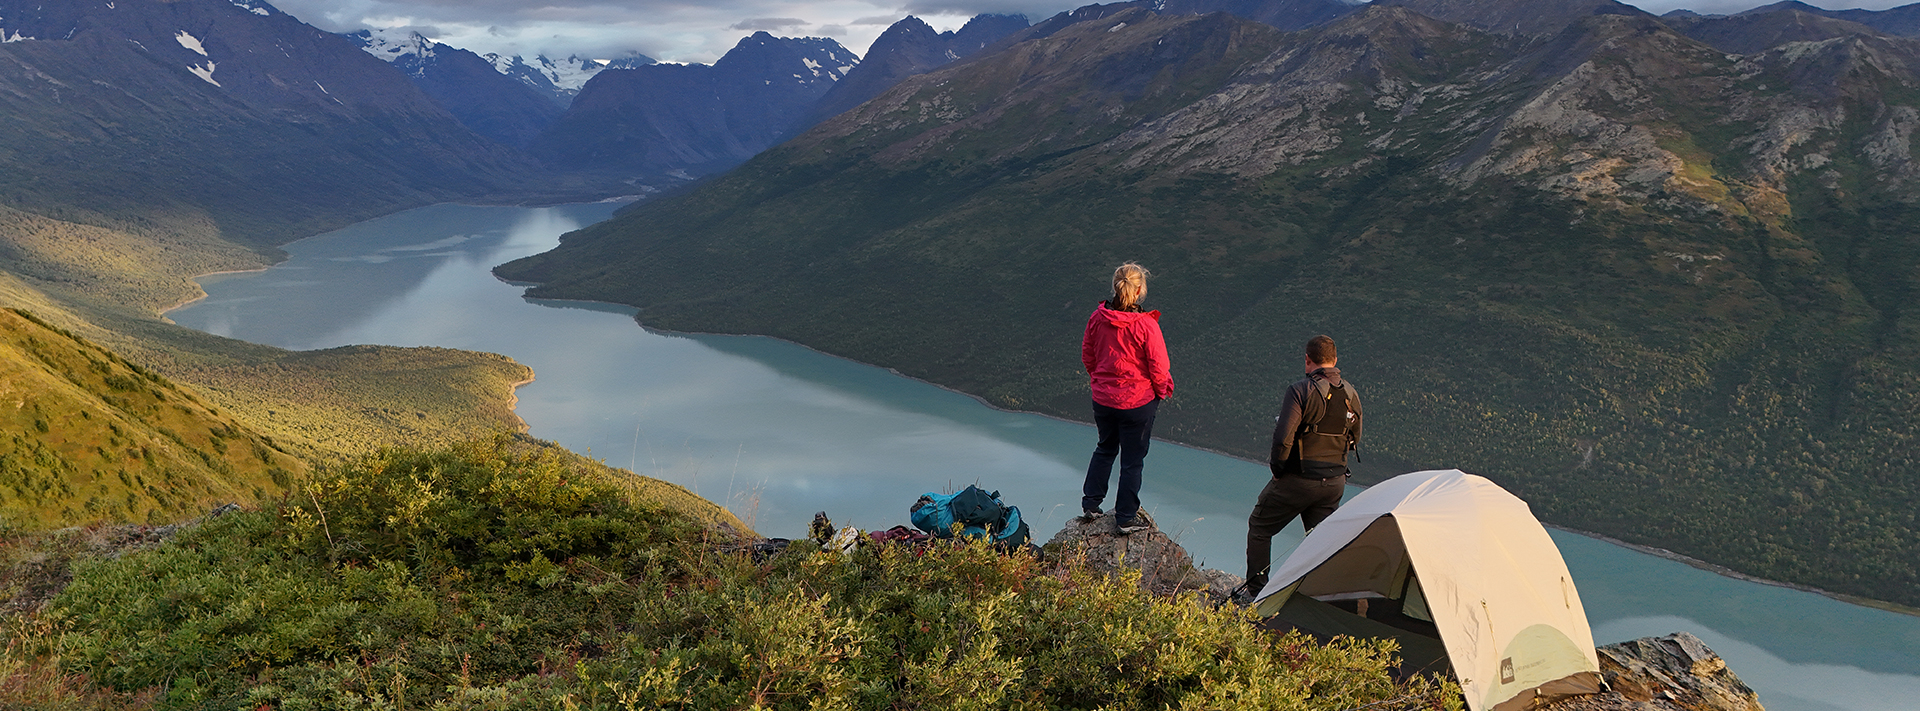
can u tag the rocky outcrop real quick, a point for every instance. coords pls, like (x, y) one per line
(1672, 673)
(1165, 567)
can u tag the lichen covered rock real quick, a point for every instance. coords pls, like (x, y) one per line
(1164, 566)
(1672, 673)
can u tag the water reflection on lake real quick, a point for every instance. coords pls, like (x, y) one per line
(776, 432)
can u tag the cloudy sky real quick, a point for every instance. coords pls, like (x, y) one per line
(702, 30)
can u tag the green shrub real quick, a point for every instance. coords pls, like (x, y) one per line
(497, 576)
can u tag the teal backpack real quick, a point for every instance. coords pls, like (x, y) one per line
(978, 512)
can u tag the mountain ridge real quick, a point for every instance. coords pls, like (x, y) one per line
(910, 47)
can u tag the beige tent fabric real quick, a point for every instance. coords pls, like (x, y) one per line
(1487, 572)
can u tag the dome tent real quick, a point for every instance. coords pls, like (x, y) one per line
(1450, 556)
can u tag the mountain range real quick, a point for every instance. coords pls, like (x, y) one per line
(504, 108)
(1660, 289)
(562, 79)
(695, 117)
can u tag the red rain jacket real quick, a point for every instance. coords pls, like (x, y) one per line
(1125, 357)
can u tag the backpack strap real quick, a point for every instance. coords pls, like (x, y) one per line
(1313, 405)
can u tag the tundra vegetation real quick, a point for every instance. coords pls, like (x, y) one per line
(503, 574)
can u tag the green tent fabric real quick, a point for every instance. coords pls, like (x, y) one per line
(1418, 653)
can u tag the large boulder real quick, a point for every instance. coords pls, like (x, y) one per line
(1164, 566)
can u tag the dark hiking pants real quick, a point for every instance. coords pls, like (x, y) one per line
(1285, 497)
(1124, 434)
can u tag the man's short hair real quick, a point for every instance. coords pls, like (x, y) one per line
(1320, 350)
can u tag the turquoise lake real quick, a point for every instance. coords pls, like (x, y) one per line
(776, 431)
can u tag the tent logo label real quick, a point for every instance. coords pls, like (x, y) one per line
(1506, 670)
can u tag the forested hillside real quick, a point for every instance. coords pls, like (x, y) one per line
(1661, 291)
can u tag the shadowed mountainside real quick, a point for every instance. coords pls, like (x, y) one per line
(263, 128)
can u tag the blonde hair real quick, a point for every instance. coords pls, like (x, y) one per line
(1129, 284)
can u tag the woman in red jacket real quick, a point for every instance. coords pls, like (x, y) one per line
(1126, 361)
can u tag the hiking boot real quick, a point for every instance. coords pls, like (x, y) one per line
(1243, 596)
(1139, 523)
(1089, 514)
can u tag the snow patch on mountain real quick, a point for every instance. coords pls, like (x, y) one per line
(561, 78)
(205, 72)
(193, 43)
(257, 7)
(845, 59)
(15, 37)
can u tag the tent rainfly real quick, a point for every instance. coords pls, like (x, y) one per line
(1450, 555)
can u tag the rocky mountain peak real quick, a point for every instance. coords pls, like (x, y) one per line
(910, 47)
(402, 48)
(666, 118)
(807, 60)
(908, 31)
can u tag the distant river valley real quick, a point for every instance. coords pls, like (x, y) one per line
(776, 432)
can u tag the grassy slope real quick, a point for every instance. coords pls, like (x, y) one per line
(1734, 382)
(93, 437)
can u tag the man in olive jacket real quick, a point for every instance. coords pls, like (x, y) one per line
(1319, 423)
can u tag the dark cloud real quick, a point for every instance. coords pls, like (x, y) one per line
(831, 30)
(878, 20)
(767, 23)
